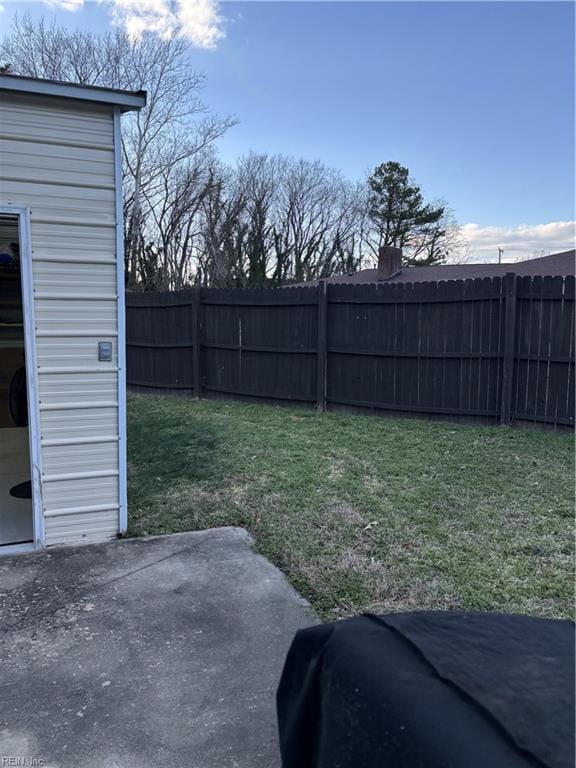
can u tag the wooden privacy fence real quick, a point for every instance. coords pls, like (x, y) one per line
(495, 349)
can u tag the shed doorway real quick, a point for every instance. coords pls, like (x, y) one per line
(16, 507)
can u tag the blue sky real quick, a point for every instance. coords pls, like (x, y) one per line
(476, 98)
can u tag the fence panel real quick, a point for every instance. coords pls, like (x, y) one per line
(494, 349)
(544, 350)
(159, 340)
(421, 347)
(260, 343)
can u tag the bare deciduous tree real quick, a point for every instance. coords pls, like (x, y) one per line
(270, 220)
(158, 142)
(273, 220)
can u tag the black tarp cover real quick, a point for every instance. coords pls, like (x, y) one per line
(429, 690)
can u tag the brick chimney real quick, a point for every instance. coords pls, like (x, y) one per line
(389, 262)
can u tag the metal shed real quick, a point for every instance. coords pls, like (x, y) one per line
(62, 371)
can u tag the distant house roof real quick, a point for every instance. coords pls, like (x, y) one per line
(555, 265)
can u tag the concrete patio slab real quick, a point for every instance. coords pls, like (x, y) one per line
(144, 653)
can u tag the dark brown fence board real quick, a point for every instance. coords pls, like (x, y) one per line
(453, 341)
(260, 342)
(196, 330)
(545, 360)
(542, 348)
(260, 297)
(157, 329)
(261, 375)
(562, 346)
(321, 345)
(423, 348)
(570, 320)
(510, 285)
(533, 365)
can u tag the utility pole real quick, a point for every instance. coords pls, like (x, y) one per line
(500, 252)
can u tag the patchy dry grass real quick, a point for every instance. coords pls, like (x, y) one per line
(365, 513)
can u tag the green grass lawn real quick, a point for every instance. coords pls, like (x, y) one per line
(365, 513)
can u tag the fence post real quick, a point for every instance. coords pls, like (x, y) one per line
(510, 282)
(196, 342)
(321, 347)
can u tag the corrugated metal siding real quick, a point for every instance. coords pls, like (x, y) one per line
(92, 204)
(80, 242)
(82, 316)
(66, 495)
(56, 277)
(57, 164)
(58, 159)
(64, 124)
(69, 351)
(60, 459)
(84, 526)
(81, 422)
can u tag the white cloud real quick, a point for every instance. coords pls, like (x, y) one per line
(199, 21)
(521, 242)
(66, 5)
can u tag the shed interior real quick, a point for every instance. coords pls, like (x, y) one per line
(16, 526)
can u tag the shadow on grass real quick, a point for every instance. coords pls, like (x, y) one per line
(171, 445)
